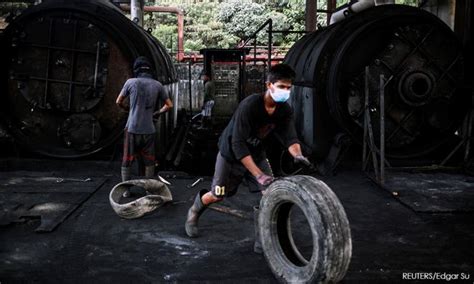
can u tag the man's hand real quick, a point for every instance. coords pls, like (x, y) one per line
(157, 114)
(264, 179)
(303, 160)
(121, 104)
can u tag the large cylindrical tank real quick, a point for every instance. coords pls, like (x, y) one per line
(63, 66)
(416, 52)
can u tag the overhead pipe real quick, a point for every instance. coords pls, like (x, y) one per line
(268, 23)
(173, 10)
(136, 11)
(310, 15)
(331, 6)
(350, 9)
(356, 8)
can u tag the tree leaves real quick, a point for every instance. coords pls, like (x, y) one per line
(222, 25)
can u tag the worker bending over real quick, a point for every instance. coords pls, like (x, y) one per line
(241, 153)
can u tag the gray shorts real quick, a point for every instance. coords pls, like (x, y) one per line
(228, 177)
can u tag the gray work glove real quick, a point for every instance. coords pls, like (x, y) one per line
(300, 159)
(264, 180)
(304, 161)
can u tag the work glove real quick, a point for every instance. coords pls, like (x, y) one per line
(300, 159)
(264, 179)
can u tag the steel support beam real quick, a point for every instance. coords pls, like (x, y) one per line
(310, 15)
(173, 10)
(136, 12)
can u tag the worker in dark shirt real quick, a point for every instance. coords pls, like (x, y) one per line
(144, 93)
(241, 153)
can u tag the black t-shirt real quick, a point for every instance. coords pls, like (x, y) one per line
(250, 124)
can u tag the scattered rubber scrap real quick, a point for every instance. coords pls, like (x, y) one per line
(157, 195)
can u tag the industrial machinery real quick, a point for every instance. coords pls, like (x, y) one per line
(227, 68)
(422, 61)
(194, 148)
(63, 65)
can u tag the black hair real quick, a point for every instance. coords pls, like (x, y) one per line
(142, 65)
(281, 72)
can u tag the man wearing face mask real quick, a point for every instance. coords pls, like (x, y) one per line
(241, 153)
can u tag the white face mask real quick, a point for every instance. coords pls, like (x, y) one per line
(280, 95)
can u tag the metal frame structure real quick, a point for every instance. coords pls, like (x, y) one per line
(368, 139)
(74, 55)
(377, 155)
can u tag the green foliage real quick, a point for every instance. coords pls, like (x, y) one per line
(167, 34)
(241, 17)
(223, 25)
(407, 2)
(203, 29)
(12, 8)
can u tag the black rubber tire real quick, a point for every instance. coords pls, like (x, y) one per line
(332, 245)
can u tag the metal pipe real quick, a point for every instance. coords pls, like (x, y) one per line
(136, 11)
(353, 8)
(289, 32)
(242, 78)
(270, 39)
(382, 129)
(331, 6)
(190, 88)
(180, 53)
(173, 10)
(311, 15)
(254, 34)
(366, 106)
(384, 2)
(174, 88)
(468, 135)
(254, 52)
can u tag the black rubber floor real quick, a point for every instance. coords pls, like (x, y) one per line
(94, 244)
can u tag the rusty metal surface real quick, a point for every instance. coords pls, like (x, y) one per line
(66, 63)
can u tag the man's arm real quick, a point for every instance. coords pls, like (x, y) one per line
(295, 150)
(166, 107)
(250, 165)
(120, 102)
(122, 96)
(287, 132)
(240, 134)
(260, 176)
